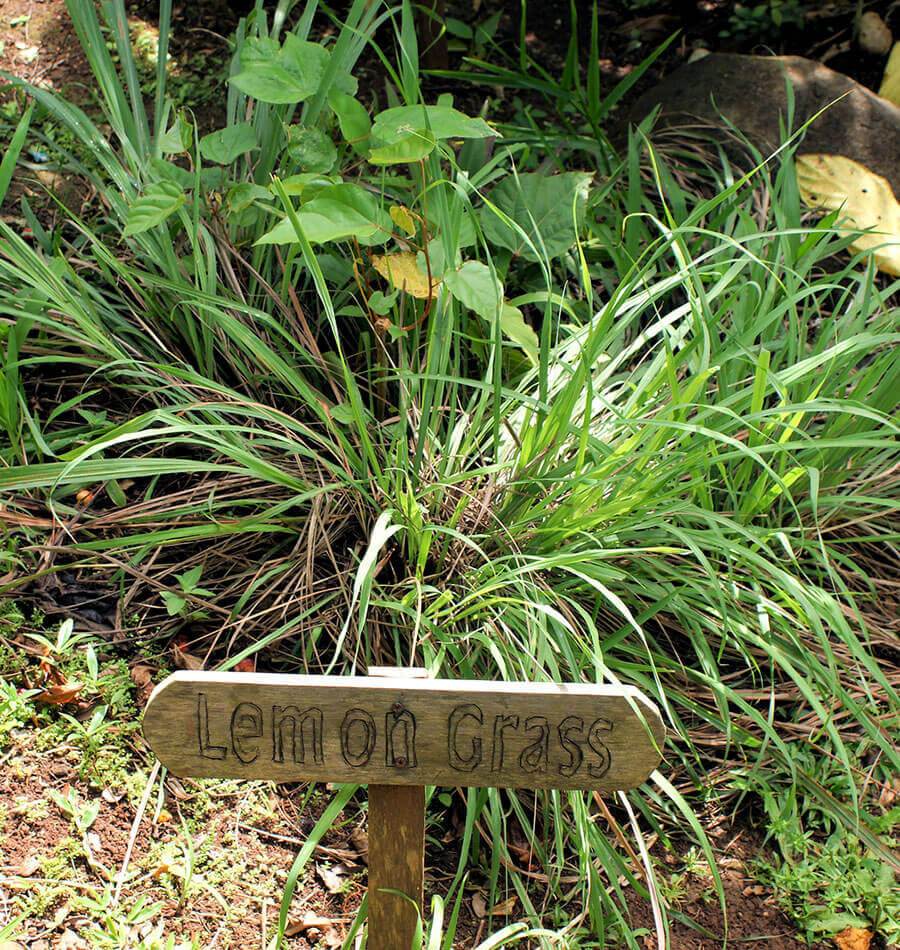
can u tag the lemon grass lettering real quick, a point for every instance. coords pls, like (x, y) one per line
(394, 730)
(473, 740)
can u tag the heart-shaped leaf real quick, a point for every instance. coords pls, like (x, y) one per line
(476, 287)
(547, 208)
(280, 74)
(224, 146)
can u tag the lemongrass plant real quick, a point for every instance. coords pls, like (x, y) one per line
(405, 409)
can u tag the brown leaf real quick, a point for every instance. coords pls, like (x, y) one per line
(360, 840)
(479, 905)
(889, 794)
(60, 693)
(183, 659)
(333, 877)
(504, 908)
(141, 675)
(27, 867)
(853, 938)
(309, 921)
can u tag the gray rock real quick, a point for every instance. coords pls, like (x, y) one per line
(750, 92)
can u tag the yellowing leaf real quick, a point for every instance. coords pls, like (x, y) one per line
(867, 200)
(890, 83)
(853, 938)
(402, 272)
(403, 219)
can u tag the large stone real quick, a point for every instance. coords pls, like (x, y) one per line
(750, 93)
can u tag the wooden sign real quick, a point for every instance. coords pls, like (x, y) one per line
(401, 731)
(396, 727)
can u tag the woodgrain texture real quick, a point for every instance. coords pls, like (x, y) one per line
(402, 731)
(396, 851)
(396, 863)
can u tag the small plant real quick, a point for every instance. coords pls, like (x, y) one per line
(764, 21)
(178, 603)
(82, 813)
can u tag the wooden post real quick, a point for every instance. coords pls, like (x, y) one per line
(396, 852)
(397, 730)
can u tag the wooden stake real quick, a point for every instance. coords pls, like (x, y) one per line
(396, 853)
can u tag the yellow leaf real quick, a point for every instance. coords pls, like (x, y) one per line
(403, 219)
(402, 273)
(853, 938)
(867, 200)
(890, 83)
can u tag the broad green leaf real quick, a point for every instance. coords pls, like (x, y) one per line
(382, 303)
(443, 122)
(244, 194)
(158, 202)
(211, 178)
(412, 148)
(224, 146)
(329, 221)
(174, 603)
(242, 203)
(475, 287)
(514, 328)
(353, 119)
(311, 149)
(545, 207)
(177, 138)
(280, 74)
(336, 213)
(366, 204)
(308, 184)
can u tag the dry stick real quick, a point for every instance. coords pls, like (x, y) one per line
(135, 827)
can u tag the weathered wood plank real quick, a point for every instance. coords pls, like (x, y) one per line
(402, 731)
(396, 851)
(396, 862)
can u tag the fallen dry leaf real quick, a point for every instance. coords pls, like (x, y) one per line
(889, 794)
(26, 869)
(60, 693)
(333, 877)
(853, 938)
(360, 840)
(309, 921)
(402, 272)
(141, 675)
(479, 905)
(504, 908)
(865, 199)
(183, 659)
